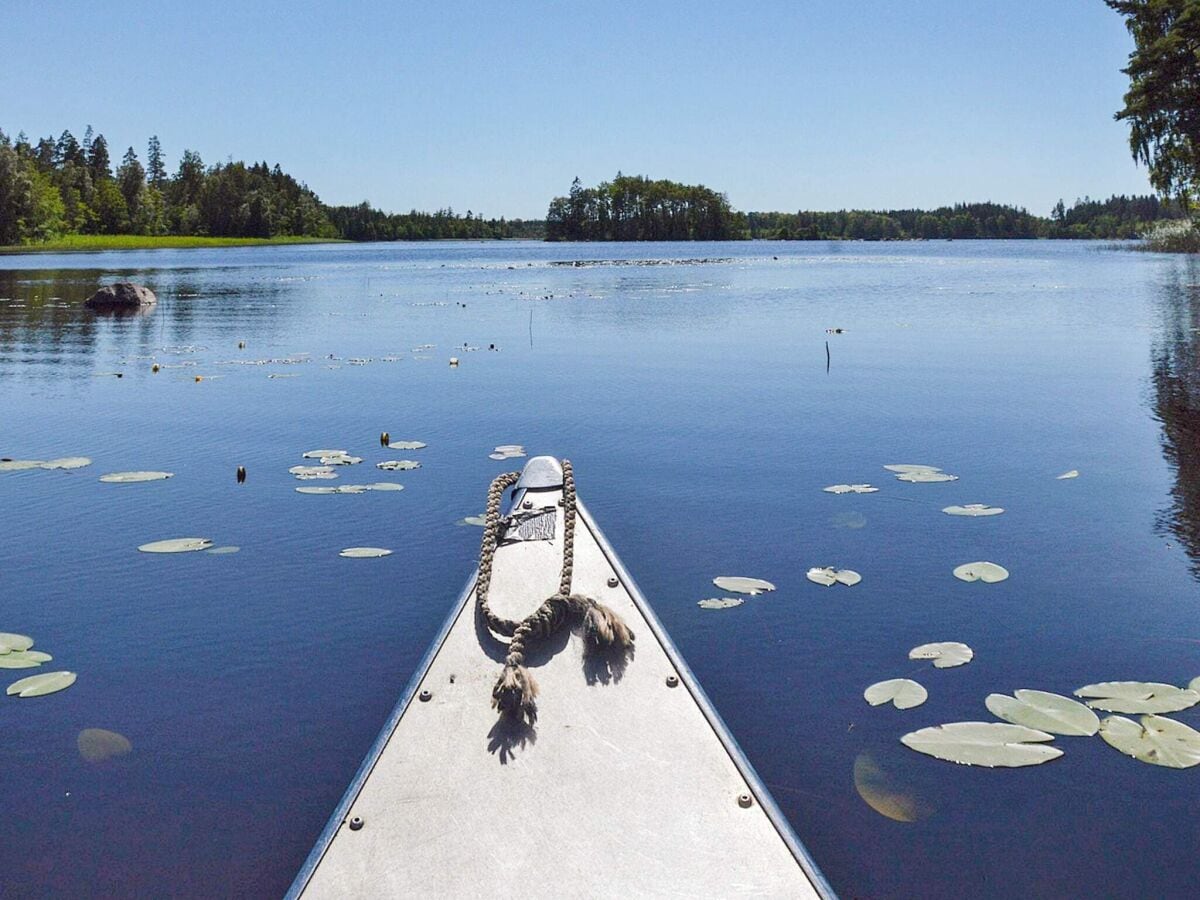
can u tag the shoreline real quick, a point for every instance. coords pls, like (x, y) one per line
(105, 242)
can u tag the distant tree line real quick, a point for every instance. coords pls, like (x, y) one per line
(1115, 218)
(62, 185)
(634, 208)
(364, 223)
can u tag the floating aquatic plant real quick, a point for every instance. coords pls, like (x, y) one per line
(903, 693)
(850, 489)
(945, 654)
(402, 465)
(341, 459)
(988, 744)
(318, 454)
(1044, 711)
(720, 602)
(507, 451)
(830, 576)
(739, 585)
(987, 572)
(926, 477)
(1153, 739)
(223, 551)
(66, 462)
(1137, 696)
(10, 642)
(1074, 473)
(365, 552)
(352, 488)
(23, 659)
(40, 685)
(135, 477)
(310, 473)
(973, 509)
(406, 445)
(99, 744)
(879, 791)
(176, 545)
(905, 468)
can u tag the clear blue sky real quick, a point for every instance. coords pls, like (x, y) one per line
(496, 106)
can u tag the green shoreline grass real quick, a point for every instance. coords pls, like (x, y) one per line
(84, 243)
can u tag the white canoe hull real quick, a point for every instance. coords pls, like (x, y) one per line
(628, 786)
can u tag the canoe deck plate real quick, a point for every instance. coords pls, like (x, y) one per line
(531, 525)
(629, 784)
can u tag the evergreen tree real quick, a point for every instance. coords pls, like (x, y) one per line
(98, 162)
(1161, 104)
(67, 150)
(156, 169)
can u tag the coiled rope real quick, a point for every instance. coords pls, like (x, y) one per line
(516, 691)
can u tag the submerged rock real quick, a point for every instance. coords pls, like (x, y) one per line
(123, 296)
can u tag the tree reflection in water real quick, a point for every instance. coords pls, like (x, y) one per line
(1175, 357)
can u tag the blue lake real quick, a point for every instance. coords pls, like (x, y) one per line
(703, 417)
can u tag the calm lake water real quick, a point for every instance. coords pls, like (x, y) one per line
(696, 403)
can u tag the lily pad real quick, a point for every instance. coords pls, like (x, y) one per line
(1074, 473)
(1138, 696)
(406, 445)
(135, 477)
(344, 459)
(176, 545)
(1045, 711)
(317, 454)
(402, 465)
(478, 521)
(316, 490)
(829, 576)
(223, 551)
(40, 685)
(850, 489)
(926, 477)
(988, 744)
(903, 693)
(987, 572)
(99, 744)
(308, 473)
(24, 659)
(1154, 739)
(905, 468)
(19, 465)
(720, 602)
(365, 552)
(66, 462)
(880, 792)
(945, 654)
(10, 642)
(738, 585)
(384, 486)
(973, 509)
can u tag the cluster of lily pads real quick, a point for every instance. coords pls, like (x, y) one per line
(735, 584)
(330, 461)
(1032, 718)
(16, 653)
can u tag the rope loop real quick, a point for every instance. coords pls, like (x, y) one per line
(515, 692)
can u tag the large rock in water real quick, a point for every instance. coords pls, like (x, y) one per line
(121, 296)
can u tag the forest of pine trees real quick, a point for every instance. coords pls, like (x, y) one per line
(633, 208)
(63, 186)
(60, 186)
